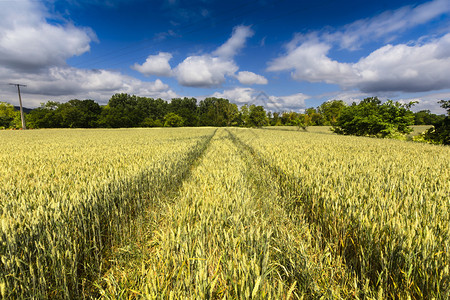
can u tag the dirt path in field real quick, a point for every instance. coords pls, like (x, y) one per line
(224, 234)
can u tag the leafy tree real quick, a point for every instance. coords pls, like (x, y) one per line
(149, 122)
(79, 113)
(232, 115)
(154, 109)
(121, 111)
(288, 118)
(440, 132)
(173, 120)
(8, 116)
(245, 115)
(217, 112)
(275, 120)
(371, 118)
(302, 121)
(330, 111)
(425, 117)
(185, 108)
(315, 118)
(45, 116)
(257, 116)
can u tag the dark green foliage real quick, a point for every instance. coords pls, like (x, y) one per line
(45, 116)
(425, 117)
(218, 112)
(185, 108)
(440, 132)
(79, 114)
(257, 116)
(151, 112)
(371, 118)
(121, 111)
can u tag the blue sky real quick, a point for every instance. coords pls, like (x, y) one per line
(286, 55)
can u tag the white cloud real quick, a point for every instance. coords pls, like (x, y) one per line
(204, 71)
(251, 96)
(311, 63)
(155, 65)
(387, 24)
(412, 67)
(235, 43)
(209, 70)
(239, 96)
(406, 68)
(34, 52)
(65, 83)
(29, 43)
(295, 101)
(246, 77)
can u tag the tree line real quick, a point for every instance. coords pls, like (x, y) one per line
(370, 117)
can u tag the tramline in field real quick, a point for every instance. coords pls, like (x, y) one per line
(235, 213)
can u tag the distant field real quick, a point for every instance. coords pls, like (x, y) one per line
(233, 213)
(417, 129)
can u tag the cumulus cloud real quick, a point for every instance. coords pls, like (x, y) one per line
(235, 43)
(246, 77)
(412, 67)
(402, 67)
(239, 96)
(34, 50)
(406, 68)
(246, 95)
(29, 43)
(204, 71)
(387, 23)
(209, 70)
(310, 62)
(59, 83)
(155, 65)
(294, 102)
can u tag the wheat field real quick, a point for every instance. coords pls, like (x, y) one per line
(228, 213)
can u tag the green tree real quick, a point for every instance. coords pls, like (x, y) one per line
(79, 113)
(257, 116)
(8, 116)
(330, 111)
(302, 121)
(245, 115)
(173, 120)
(151, 109)
(217, 112)
(440, 132)
(185, 108)
(121, 111)
(425, 117)
(371, 118)
(45, 116)
(315, 118)
(275, 120)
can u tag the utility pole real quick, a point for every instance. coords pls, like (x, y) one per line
(20, 102)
